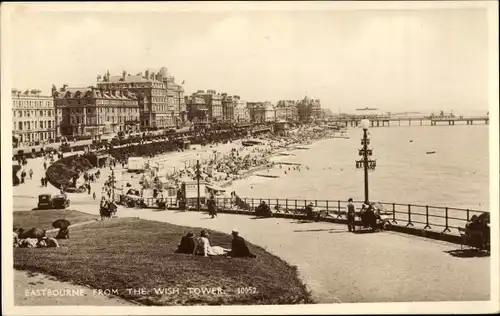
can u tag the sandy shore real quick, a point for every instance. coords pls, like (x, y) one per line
(173, 162)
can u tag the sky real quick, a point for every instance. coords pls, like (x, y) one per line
(393, 60)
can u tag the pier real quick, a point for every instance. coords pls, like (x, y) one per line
(415, 120)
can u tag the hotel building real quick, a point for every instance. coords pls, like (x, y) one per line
(33, 118)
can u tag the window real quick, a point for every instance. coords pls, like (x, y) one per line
(50, 124)
(20, 126)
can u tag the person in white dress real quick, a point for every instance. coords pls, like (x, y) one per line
(202, 247)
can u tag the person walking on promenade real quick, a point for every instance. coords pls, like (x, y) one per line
(31, 173)
(42, 181)
(212, 207)
(93, 195)
(351, 215)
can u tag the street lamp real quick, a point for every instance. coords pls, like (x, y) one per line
(365, 152)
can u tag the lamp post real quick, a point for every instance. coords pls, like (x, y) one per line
(112, 185)
(198, 176)
(365, 152)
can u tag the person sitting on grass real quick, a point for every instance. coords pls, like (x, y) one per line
(202, 247)
(63, 233)
(239, 247)
(187, 244)
(16, 236)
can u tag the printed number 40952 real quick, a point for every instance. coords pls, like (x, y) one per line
(247, 290)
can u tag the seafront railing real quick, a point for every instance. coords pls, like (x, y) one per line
(426, 217)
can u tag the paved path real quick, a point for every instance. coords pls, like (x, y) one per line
(338, 266)
(343, 267)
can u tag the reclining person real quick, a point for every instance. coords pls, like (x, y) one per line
(202, 247)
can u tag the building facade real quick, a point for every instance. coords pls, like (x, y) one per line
(175, 98)
(241, 113)
(228, 104)
(155, 110)
(33, 118)
(197, 110)
(94, 112)
(213, 102)
(327, 113)
(178, 101)
(286, 110)
(261, 112)
(256, 112)
(309, 109)
(269, 112)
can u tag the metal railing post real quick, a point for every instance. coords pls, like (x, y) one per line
(286, 205)
(468, 215)
(327, 206)
(295, 212)
(427, 217)
(446, 229)
(394, 213)
(338, 209)
(253, 206)
(409, 217)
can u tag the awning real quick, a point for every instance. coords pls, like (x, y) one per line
(215, 188)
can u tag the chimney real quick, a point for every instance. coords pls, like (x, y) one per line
(147, 74)
(124, 75)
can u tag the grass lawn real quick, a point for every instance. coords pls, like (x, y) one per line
(44, 218)
(128, 253)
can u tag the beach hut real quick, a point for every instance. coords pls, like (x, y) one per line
(191, 192)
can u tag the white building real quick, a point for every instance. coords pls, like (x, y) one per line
(241, 112)
(33, 118)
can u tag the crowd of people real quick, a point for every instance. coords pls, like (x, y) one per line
(478, 230)
(201, 246)
(33, 238)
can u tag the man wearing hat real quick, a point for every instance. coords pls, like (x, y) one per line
(239, 247)
(351, 215)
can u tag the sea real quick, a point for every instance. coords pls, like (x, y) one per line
(456, 175)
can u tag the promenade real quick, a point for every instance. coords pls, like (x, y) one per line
(338, 266)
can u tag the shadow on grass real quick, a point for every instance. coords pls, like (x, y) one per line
(468, 253)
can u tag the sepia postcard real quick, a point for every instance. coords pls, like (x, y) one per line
(231, 158)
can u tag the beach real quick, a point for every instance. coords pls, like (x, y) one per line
(221, 165)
